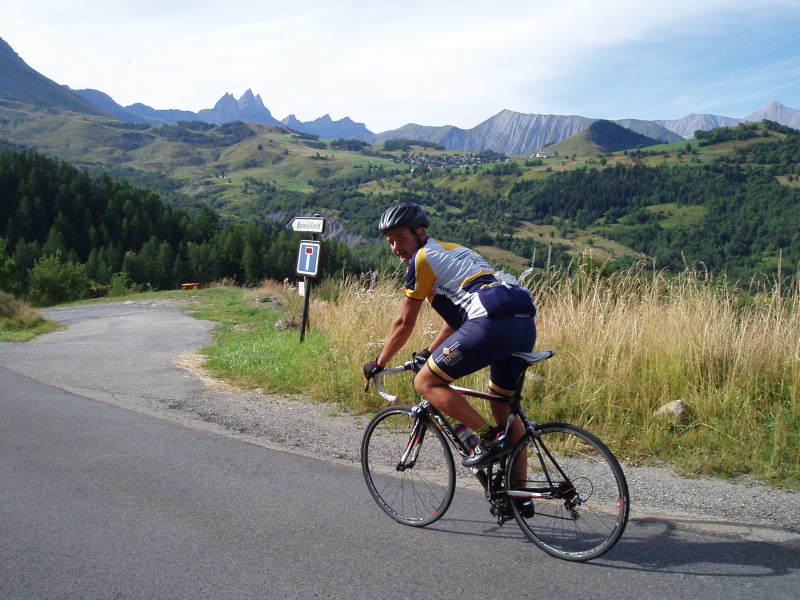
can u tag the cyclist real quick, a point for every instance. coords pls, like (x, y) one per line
(485, 321)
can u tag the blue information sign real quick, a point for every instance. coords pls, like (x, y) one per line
(308, 258)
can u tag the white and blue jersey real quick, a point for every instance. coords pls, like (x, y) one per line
(449, 277)
(491, 320)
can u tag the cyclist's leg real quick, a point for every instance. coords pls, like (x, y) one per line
(503, 377)
(500, 413)
(470, 348)
(478, 343)
(439, 393)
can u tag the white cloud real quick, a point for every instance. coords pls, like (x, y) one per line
(386, 64)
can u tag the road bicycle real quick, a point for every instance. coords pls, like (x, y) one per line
(572, 501)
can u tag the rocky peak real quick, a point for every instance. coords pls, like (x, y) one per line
(248, 108)
(249, 100)
(775, 111)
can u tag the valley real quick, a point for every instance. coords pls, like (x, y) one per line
(247, 171)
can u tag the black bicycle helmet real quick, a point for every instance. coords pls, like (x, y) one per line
(406, 214)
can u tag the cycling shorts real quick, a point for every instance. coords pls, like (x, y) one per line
(486, 342)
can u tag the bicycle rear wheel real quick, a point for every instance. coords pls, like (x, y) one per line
(579, 492)
(416, 490)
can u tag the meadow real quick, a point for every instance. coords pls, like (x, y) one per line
(626, 343)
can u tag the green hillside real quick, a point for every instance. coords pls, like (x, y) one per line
(671, 202)
(601, 136)
(65, 235)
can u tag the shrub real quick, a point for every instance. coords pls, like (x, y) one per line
(121, 285)
(8, 270)
(52, 282)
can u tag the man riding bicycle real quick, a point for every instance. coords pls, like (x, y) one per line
(485, 321)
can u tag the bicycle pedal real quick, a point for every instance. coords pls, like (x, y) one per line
(502, 513)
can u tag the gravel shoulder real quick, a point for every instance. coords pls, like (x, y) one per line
(143, 356)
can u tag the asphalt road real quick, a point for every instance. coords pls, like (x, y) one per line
(99, 500)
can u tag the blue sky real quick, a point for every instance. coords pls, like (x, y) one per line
(430, 62)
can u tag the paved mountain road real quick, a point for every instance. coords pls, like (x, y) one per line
(123, 475)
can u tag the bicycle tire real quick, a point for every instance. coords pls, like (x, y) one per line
(417, 495)
(596, 521)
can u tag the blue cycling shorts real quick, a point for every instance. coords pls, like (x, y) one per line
(486, 342)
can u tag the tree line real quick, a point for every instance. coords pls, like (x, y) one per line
(112, 231)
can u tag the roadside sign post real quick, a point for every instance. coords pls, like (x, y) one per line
(308, 259)
(315, 224)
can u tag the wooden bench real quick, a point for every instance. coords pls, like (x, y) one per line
(191, 286)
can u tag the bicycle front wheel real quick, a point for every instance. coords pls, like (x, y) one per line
(579, 492)
(408, 467)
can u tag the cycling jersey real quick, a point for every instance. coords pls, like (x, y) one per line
(460, 284)
(491, 319)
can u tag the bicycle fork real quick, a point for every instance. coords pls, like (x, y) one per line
(411, 453)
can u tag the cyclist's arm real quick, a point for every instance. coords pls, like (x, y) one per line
(402, 327)
(445, 331)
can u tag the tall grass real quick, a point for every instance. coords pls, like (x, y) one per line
(627, 343)
(634, 341)
(19, 322)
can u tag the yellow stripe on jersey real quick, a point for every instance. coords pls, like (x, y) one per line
(425, 278)
(441, 272)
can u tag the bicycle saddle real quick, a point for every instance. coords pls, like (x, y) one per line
(531, 358)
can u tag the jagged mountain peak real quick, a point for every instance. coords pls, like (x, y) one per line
(249, 99)
(508, 131)
(226, 98)
(248, 107)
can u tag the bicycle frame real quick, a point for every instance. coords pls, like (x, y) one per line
(426, 413)
(575, 517)
(491, 480)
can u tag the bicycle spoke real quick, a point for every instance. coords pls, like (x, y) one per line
(586, 510)
(414, 490)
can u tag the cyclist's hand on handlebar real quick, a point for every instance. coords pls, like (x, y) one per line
(420, 358)
(371, 369)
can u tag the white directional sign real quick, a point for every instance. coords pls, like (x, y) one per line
(309, 224)
(308, 258)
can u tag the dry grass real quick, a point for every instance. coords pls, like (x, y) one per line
(355, 320)
(627, 344)
(634, 341)
(19, 321)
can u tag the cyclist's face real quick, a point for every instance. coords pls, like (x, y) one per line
(403, 242)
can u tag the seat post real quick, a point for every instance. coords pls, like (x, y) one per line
(520, 381)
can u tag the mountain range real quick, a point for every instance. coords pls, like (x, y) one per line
(507, 132)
